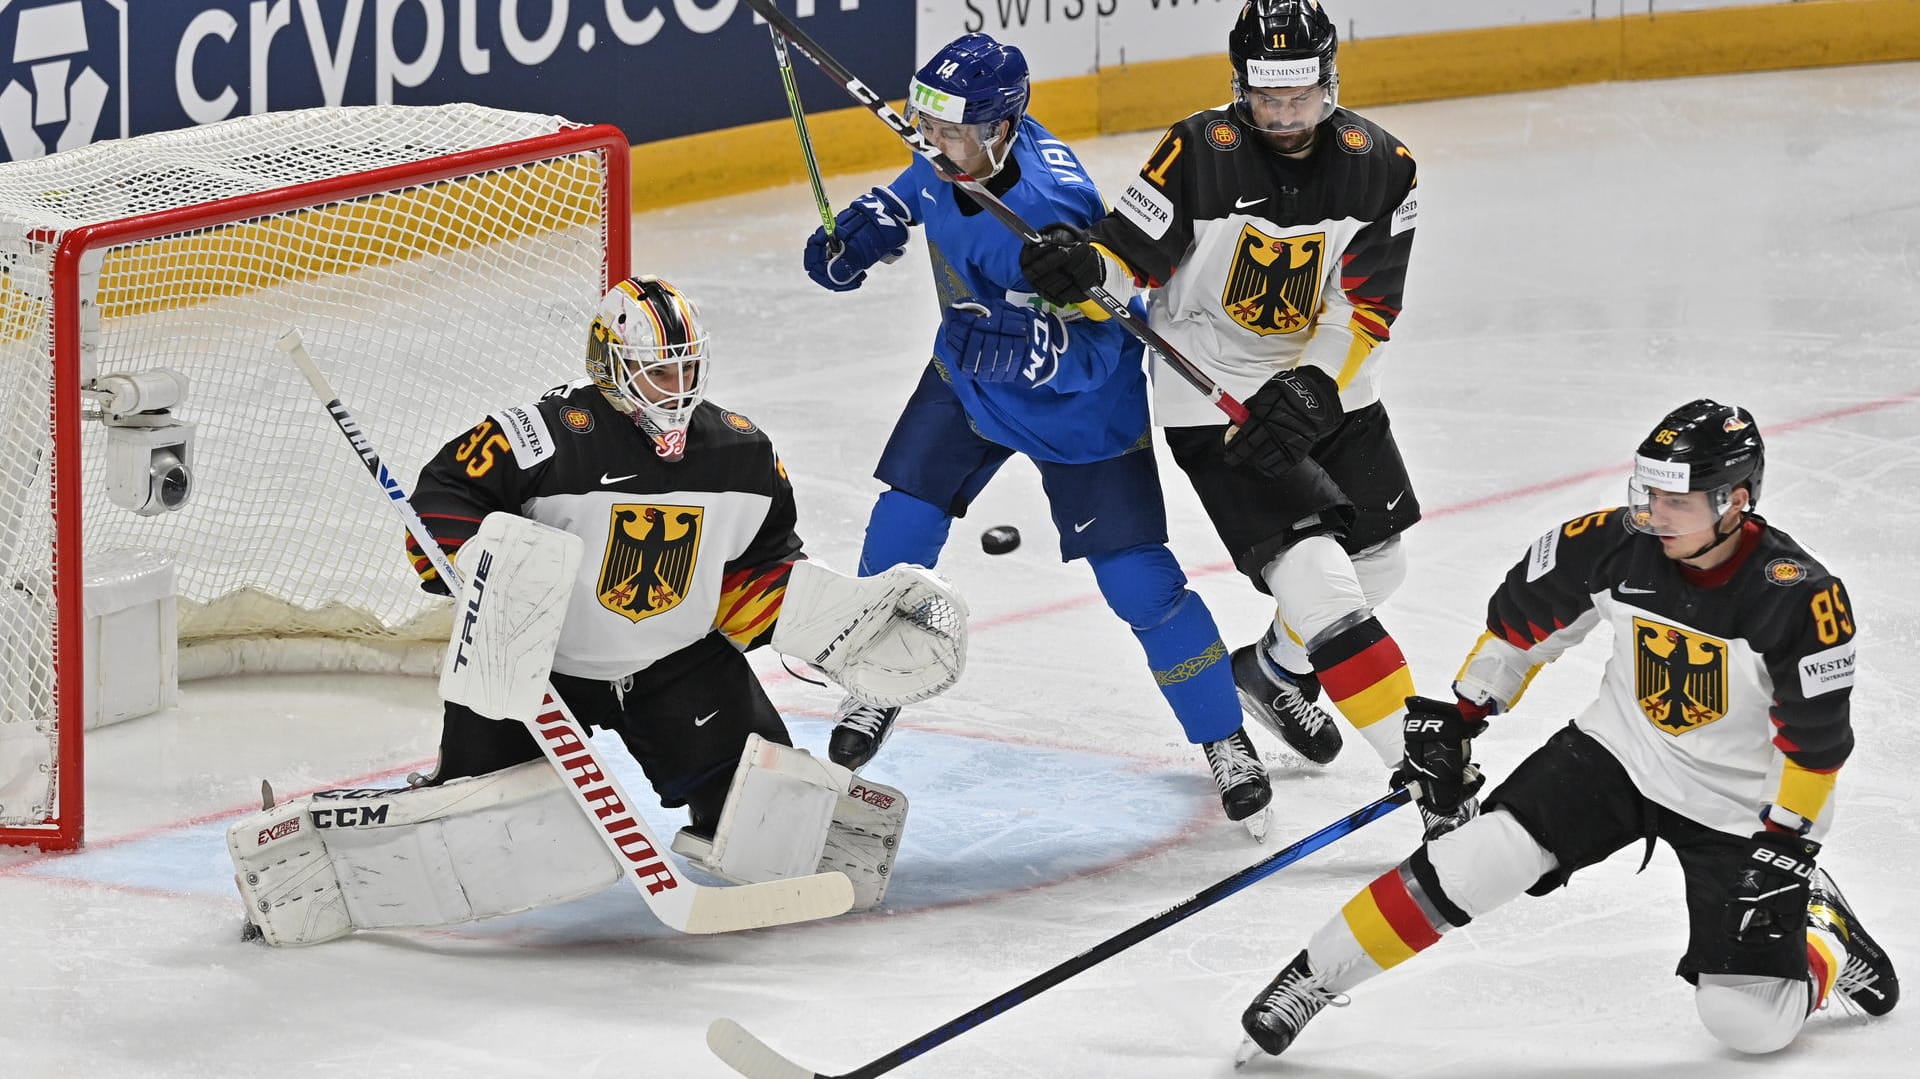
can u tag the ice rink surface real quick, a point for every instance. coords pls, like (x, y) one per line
(1587, 259)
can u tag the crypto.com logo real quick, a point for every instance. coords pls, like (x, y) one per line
(63, 73)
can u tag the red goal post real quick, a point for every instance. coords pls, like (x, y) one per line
(440, 261)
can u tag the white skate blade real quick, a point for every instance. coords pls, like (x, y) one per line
(1248, 1050)
(1257, 824)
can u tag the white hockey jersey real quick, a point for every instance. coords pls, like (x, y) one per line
(674, 550)
(1259, 262)
(1727, 692)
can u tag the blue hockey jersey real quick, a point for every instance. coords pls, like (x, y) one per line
(1089, 402)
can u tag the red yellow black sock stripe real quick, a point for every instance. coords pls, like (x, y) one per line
(750, 603)
(1364, 673)
(1394, 919)
(1822, 969)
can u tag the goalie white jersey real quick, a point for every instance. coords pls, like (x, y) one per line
(673, 550)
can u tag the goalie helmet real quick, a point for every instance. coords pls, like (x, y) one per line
(1701, 446)
(647, 352)
(973, 81)
(1280, 44)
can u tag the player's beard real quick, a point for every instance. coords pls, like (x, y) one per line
(1298, 141)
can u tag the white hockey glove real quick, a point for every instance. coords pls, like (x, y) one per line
(897, 637)
(506, 623)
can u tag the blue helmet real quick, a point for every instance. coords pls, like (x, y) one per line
(973, 80)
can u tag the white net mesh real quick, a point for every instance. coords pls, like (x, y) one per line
(428, 301)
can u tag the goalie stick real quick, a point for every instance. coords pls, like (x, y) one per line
(753, 1058)
(679, 903)
(989, 202)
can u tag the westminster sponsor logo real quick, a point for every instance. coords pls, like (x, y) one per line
(1824, 672)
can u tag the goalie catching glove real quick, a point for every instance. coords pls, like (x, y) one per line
(892, 639)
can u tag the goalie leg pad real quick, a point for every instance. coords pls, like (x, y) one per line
(506, 626)
(474, 848)
(789, 814)
(868, 822)
(286, 877)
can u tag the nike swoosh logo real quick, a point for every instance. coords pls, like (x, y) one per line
(928, 195)
(1629, 590)
(1396, 501)
(702, 721)
(1241, 204)
(1084, 525)
(606, 479)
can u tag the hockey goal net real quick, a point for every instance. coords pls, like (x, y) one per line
(440, 262)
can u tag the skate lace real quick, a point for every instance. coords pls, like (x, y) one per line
(1289, 699)
(1298, 998)
(1231, 764)
(1858, 976)
(868, 719)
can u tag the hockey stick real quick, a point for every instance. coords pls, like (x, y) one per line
(753, 1058)
(989, 202)
(681, 904)
(806, 140)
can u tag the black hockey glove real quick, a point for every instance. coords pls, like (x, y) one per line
(1768, 899)
(1439, 756)
(1062, 266)
(1285, 417)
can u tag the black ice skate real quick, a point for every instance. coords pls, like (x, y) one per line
(862, 729)
(1867, 980)
(1242, 779)
(1439, 824)
(1282, 702)
(1276, 1016)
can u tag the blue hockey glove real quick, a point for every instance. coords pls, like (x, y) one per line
(873, 228)
(1001, 341)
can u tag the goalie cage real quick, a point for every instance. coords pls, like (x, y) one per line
(447, 259)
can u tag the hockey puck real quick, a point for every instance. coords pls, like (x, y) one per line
(1000, 539)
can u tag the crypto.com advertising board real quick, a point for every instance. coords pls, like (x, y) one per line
(79, 71)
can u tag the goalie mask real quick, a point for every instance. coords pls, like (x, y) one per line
(1286, 81)
(1701, 446)
(959, 98)
(647, 352)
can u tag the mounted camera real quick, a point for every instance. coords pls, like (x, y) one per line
(149, 450)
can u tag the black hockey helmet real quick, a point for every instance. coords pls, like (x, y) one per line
(1277, 45)
(1701, 446)
(1282, 32)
